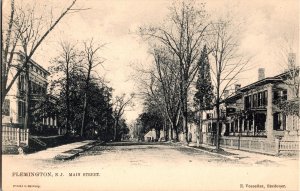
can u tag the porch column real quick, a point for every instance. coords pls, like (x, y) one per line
(238, 125)
(248, 125)
(253, 123)
(243, 125)
(269, 120)
(55, 121)
(234, 127)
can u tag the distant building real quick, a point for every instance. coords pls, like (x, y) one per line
(151, 135)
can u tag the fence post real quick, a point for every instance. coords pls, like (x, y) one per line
(18, 137)
(277, 146)
(249, 144)
(27, 135)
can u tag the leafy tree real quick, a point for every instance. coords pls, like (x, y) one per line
(90, 61)
(65, 71)
(123, 129)
(151, 120)
(45, 107)
(204, 96)
(70, 86)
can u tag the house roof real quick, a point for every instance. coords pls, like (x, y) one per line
(234, 97)
(286, 73)
(269, 80)
(35, 63)
(260, 83)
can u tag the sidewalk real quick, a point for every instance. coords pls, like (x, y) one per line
(253, 158)
(51, 153)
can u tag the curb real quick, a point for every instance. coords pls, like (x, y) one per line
(209, 152)
(73, 153)
(212, 153)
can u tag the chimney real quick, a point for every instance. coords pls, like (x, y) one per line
(237, 87)
(291, 60)
(261, 73)
(226, 94)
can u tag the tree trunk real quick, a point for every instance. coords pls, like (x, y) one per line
(115, 129)
(199, 129)
(3, 89)
(157, 134)
(87, 83)
(183, 98)
(164, 129)
(171, 132)
(67, 98)
(217, 137)
(83, 114)
(176, 134)
(27, 101)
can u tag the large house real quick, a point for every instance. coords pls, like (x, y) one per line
(252, 117)
(14, 104)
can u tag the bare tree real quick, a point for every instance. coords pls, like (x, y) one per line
(9, 39)
(65, 65)
(288, 62)
(227, 62)
(183, 35)
(159, 88)
(120, 104)
(91, 60)
(167, 87)
(30, 31)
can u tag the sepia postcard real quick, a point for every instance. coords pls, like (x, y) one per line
(198, 95)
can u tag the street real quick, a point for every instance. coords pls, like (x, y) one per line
(143, 166)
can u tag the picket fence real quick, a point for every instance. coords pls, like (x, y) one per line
(255, 144)
(14, 136)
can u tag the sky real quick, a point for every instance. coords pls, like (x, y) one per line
(265, 25)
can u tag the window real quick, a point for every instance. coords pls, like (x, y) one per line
(265, 98)
(284, 95)
(279, 96)
(279, 121)
(247, 102)
(6, 107)
(21, 83)
(255, 100)
(209, 116)
(21, 109)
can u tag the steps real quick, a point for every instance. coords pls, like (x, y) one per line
(36, 140)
